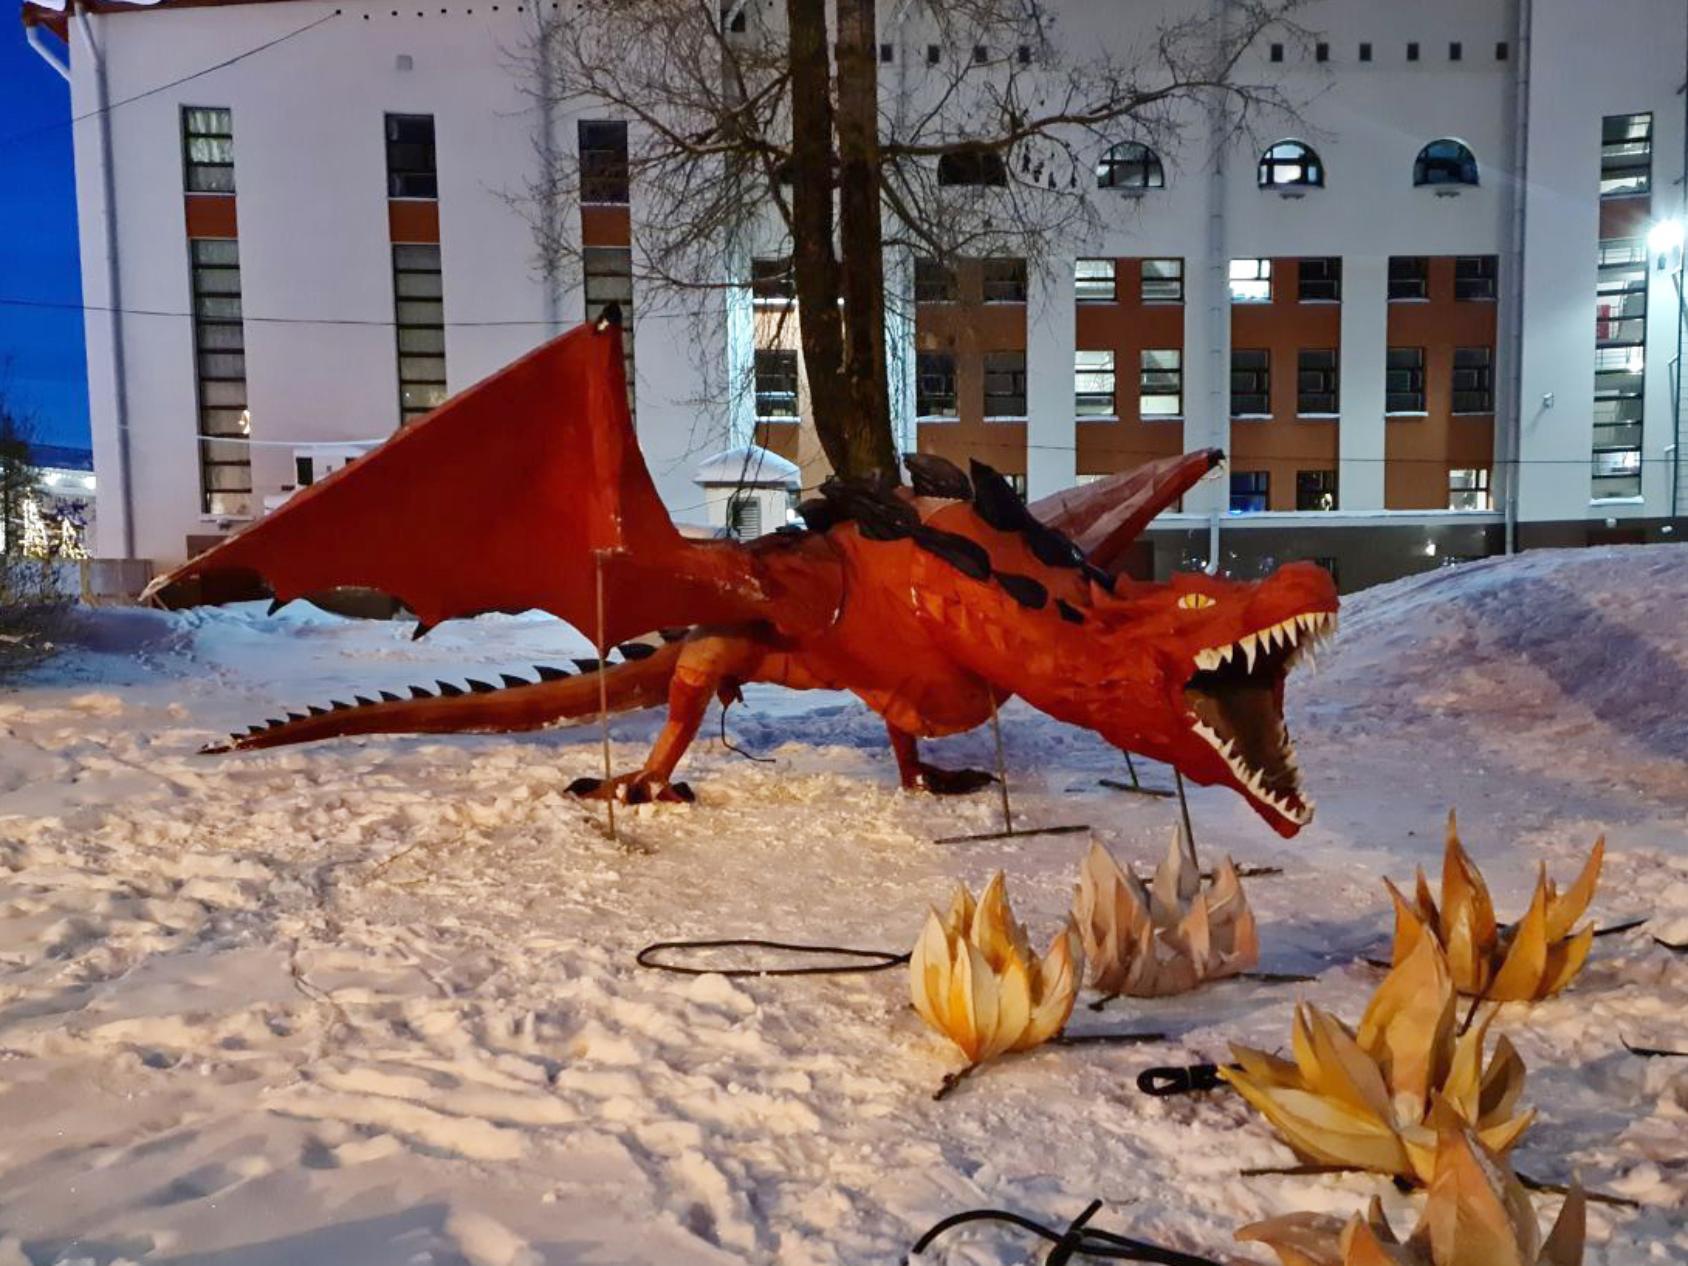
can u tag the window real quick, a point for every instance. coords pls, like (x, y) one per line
(1619, 366)
(207, 150)
(776, 383)
(1315, 490)
(219, 338)
(1161, 384)
(1277, 52)
(1445, 162)
(1005, 384)
(887, 54)
(1474, 380)
(419, 297)
(981, 54)
(1409, 277)
(1249, 491)
(603, 161)
(1321, 52)
(1320, 279)
(1412, 52)
(734, 19)
(1469, 490)
(410, 157)
(934, 384)
(1456, 51)
(744, 515)
(1251, 281)
(1501, 51)
(1316, 385)
(1004, 280)
(1251, 382)
(1626, 155)
(1289, 165)
(933, 282)
(1130, 166)
(1620, 300)
(1093, 384)
(1365, 52)
(609, 279)
(772, 281)
(1474, 278)
(934, 54)
(1024, 54)
(1093, 280)
(1163, 281)
(1403, 380)
(972, 167)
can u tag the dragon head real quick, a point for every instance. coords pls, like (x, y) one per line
(1194, 676)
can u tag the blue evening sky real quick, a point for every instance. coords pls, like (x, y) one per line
(41, 352)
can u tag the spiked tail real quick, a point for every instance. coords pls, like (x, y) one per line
(518, 704)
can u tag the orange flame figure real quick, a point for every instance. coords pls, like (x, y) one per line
(932, 603)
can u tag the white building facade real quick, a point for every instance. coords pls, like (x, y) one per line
(1410, 353)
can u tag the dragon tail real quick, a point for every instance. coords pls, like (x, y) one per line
(640, 680)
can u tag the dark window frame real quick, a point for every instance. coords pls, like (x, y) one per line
(1318, 385)
(1404, 382)
(1319, 279)
(605, 177)
(1290, 154)
(1160, 382)
(1004, 385)
(934, 383)
(1445, 163)
(1316, 491)
(1476, 278)
(1473, 381)
(776, 384)
(412, 158)
(214, 274)
(1626, 159)
(199, 135)
(1130, 166)
(772, 280)
(1252, 489)
(935, 282)
(1003, 279)
(430, 388)
(1251, 382)
(976, 167)
(1409, 278)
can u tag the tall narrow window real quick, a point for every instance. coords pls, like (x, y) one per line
(225, 458)
(1163, 281)
(1316, 385)
(1005, 384)
(1403, 380)
(603, 161)
(776, 384)
(1093, 384)
(1474, 278)
(207, 149)
(934, 384)
(411, 170)
(1626, 155)
(609, 279)
(1250, 491)
(1474, 380)
(1320, 279)
(1251, 281)
(420, 300)
(1004, 280)
(1093, 280)
(1620, 321)
(1409, 278)
(1251, 382)
(1161, 385)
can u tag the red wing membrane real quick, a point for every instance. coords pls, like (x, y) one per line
(1104, 517)
(498, 501)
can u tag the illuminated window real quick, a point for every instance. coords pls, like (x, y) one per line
(1163, 281)
(1130, 166)
(207, 150)
(1093, 280)
(225, 456)
(1251, 281)
(1626, 155)
(776, 384)
(419, 297)
(1469, 490)
(1161, 384)
(1093, 383)
(1291, 164)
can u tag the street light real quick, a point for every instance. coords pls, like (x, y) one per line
(1664, 243)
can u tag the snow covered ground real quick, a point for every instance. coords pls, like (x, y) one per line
(374, 1001)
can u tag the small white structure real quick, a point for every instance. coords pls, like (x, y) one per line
(747, 491)
(312, 462)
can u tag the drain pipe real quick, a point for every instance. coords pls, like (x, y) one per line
(114, 279)
(32, 37)
(1513, 452)
(1218, 283)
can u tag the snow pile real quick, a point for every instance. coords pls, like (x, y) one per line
(373, 1001)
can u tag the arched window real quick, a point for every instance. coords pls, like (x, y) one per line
(972, 167)
(1445, 162)
(1291, 164)
(1130, 166)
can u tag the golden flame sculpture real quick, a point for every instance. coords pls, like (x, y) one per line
(1166, 937)
(1476, 1214)
(1376, 1098)
(1534, 959)
(975, 979)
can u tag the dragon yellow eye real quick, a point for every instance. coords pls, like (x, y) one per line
(1195, 601)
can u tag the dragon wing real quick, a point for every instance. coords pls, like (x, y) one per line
(504, 499)
(1104, 517)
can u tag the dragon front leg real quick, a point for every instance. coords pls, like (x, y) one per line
(917, 775)
(711, 664)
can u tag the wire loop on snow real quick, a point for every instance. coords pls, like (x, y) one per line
(880, 960)
(1164, 1082)
(1078, 1240)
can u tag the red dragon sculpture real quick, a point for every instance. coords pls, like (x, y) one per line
(930, 603)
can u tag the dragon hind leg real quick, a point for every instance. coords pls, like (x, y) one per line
(917, 775)
(710, 663)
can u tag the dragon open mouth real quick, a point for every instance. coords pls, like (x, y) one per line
(1235, 702)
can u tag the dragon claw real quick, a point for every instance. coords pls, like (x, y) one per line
(953, 782)
(634, 788)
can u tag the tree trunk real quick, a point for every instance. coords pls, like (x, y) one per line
(870, 450)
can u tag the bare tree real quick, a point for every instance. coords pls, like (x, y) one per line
(744, 114)
(32, 610)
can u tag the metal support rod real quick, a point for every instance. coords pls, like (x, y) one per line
(1001, 769)
(604, 698)
(1184, 808)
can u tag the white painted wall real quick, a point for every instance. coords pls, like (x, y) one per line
(312, 201)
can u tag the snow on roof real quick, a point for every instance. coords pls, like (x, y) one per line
(748, 466)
